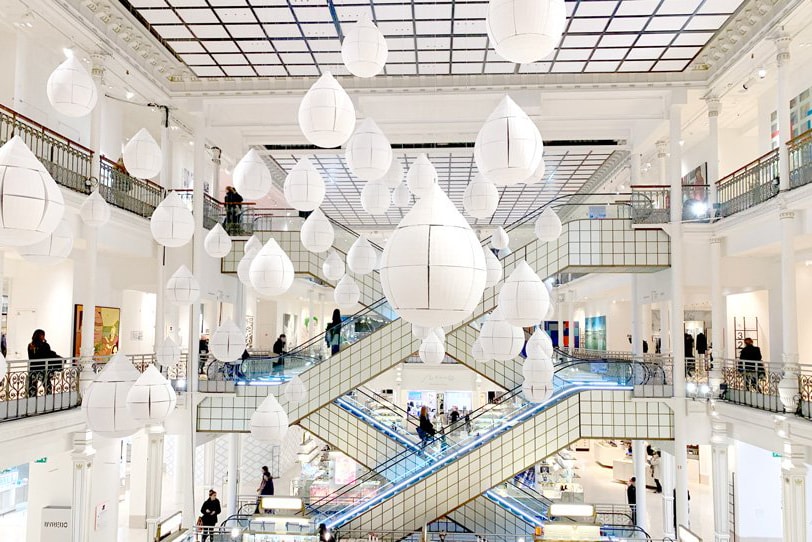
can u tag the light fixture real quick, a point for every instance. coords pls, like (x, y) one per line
(364, 50)
(762, 73)
(172, 224)
(540, 345)
(368, 153)
(432, 350)
(698, 209)
(346, 293)
(95, 211)
(68, 52)
(151, 398)
(326, 113)
(500, 340)
(269, 422)
(333, 268)
(227, 343)
(523, 299)
(420, 332)
(252, 179)
(51, 250)
(375, 197)
(500, 239)
(317, 234)
(394, 175)
(104, 402)
(271, 272)
(524, 31)
(362, 258)
(142, 155)
(296, 393)
(70, 89)
(421, 177)
(182, 288)
(478, 353)
(304, 186)
(217, 243)
(168, 353)
(129, 94)
(481, 198)
(252, 246)
(493, 268)
(401, 197)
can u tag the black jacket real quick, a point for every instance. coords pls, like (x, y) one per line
(701, 343)
(631, 494)
(750, 352)
(279, 347)
(209, 511)
(426, 425)
(233, 197)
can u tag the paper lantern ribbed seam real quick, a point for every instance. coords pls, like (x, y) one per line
(364, 50)
(71, 90)
(368, 154)
(304, 187)
(326, 113)
(252, 179)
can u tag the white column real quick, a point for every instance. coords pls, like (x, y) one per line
(155, 475)
(82, 457)
(667, 481)
(106, 485)
(721, 482)
(216, 155)
(662, 161)
(139, 465)
(677, 313)
(160, 277)
(788, 386)
(714, 110)
(782, 58)
(198, 196)
(718, 314)
(793, 484)
(233, 472)
(558, 292)
(640, 468)
(209, 452)
(637, 321)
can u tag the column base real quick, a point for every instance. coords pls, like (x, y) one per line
(720, 537)
(668, 516)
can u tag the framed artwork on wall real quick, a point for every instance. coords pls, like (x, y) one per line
(106, 329)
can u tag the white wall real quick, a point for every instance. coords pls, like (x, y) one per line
(137, 331)
(804, 292)
(751, 304)
(757, 493)
(49, 484)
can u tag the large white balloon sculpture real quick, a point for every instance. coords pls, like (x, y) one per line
(364, 49)
(540, 345)
(524, 31)
(271, 271)
(481, 198)
(401, 197)
(151, 399)
(432, 350)
(524, 299)
(252, 179)
(369, 154)
(317, 234)
(333, 267)
(346, 293)
(296, 391)
(433, 268)
(493, 268)
(182, 287)
(375, 198)
(538, 375)
(32, 202)
(362, 258)
(172, 224)
(71, 90)
(548, 226)
(217, 243)
(269, 422)
(326, 113)
(421, 177)
(95, 211)
(142, 155)
(394, 175)
(500, 239)
(167, 354)
(227, 343)
(500, 340)
(304, 187)
(105, 401)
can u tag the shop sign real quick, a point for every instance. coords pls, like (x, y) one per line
(55, 524)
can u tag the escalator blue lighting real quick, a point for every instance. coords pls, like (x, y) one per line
(347, 405)
(515, 509)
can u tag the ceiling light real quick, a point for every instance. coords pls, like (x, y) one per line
(130, 94)
(27, 21)
(762, 73)
(681, 142)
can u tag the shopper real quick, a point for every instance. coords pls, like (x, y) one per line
(208, 514)
(233, 204)
(656, 470)
(750, 355)
(631, 497)
(454, 417)
(701, 343)
(278, 361)
(203, 350)
(43, 365)
(333, 333)
(266, 485)
(689, 353)
(425, 429)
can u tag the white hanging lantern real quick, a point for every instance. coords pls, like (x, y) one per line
(105, 401)
(333, 267)
(51, 250)
(401, 197)
(537, 175)
(326, 113)
(362, 257)
(538, 370)
(269, 422)
(394, 175)
(304, 186)
(364, 49)
(95, 211)
(217, 242)
(151, 399)
(142, 155)
(32, 202)
(317, 234)
(168, 353)
(481, 198)
(252, 246)
(271, 271)
(478, 353)
(537, 393)
(227, 343)
(71, 90)
(172, 224)
(421, 177)
(499, 339)
(432, 350)
(524, 299)
(548, 226)
(439, 333)
(296, 391)
(500, 239)
(251, 176)
(508, 147)
(551, 309)
(368, 154)
(493, 268)
(433, 269)
(182, 288)
(420, 332)
(540, 345)
(524, 31)
(375, 198)
(346, 293)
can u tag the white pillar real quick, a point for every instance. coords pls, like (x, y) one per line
(793, 484)
(637, 321)
(216, 160)
(160, 277)
(714, 110)
(677, 311)
(718, 314)
(640, 468)
(668, 470)
(106, 485)
(155, 476)
(82, 458)
(139, 465)
(788, 386)
(209, 452)
(233, 473)
(198, 196)
(662, 161)
(721, 482)
(782, 58)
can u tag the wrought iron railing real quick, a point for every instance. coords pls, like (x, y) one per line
(651, 204)
(750, 185)
(126, 192)
(236, 218)
(800, 160)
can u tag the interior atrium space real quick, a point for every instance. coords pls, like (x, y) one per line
(405, 270)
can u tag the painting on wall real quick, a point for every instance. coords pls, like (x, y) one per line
(595, 333)
(106, 330)
(695, 184)
(570, 334)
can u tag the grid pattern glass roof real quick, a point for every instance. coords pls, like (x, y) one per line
(302, 38)
(567, 169)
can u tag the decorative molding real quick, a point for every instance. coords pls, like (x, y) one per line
(714, 104)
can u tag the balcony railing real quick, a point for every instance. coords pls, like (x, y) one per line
(126, 192)
(237, 218)
(750, 185)
(651, 204)
(800, 160)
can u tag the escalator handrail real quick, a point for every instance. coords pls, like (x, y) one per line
(373, 396)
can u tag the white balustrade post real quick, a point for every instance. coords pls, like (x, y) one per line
(668, 471)
(788, 387)
(233, 472)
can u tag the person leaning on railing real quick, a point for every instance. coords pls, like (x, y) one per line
(233, 205)
(43, 364)
(749, 363)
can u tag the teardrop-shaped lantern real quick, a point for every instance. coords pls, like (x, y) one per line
(346, 294)
(182, 288)
(244, 269)
(304, 186)
(95, 211)
(537, 175)
(32, 202)
(508, 147)
(478, 353)
(364, 49)
(105, 401)
(317, 233)
(362, 256)
(538, 370)
(168, 353)
(499, 339)
(368, 153)
(269, 422)
(252, 246)
(537, 393)
(481, 198)
(432, 350)
(326, 113)
(401, 197)
(523, 298)
(271, 271)
(420, 332)
(71, 89)
(217, 242)
(394, 175)
(172, 224)
(548, 226)
(375, 198)
(51, 250)
(500, 239)
(296, 391)
(252, 179)
(524, 31)
(421, 177)
(333, 266)
(151, 399)
(227, 343)
(493, 268)
(142, 155)
(548, 316)
(433, 269)
(540, 345)
(439, 333)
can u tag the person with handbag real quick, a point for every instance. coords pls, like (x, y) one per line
(208, 515)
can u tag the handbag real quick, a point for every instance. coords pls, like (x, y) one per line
(199, 521)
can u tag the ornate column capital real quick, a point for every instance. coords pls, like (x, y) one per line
(782, 43)
(786, 214)
(714, 104)
(714, 240)
(719, 433)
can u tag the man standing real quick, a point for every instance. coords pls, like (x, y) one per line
(631, 497)
(749, 366)
(279, 351)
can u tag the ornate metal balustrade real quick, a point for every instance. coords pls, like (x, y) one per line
(126, 192)
(800, 160)
(750, 185)
(651, 204)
